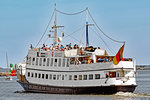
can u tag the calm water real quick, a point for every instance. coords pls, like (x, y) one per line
(8, 92)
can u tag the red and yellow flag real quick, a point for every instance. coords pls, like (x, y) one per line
(118, 56)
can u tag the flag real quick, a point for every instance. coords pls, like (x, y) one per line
(118, 56)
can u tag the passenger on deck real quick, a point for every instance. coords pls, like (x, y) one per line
(99, 48)
(61, 47)
(106, 59)
(88, 61)
(70, 46)
(67, 47)
(75, 46)
(47, 46)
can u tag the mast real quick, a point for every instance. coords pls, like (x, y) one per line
(55, 28)
(7, 60)
(87, 38)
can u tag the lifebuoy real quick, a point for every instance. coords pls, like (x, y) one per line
(110, 74)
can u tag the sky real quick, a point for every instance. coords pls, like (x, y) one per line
(22, 22)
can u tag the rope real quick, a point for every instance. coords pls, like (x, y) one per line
(73, 37)
(110, 49)
(45, 29)
(80, 43)
(103, 31)
(71, 13)
(74, 31)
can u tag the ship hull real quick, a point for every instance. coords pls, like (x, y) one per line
(77, 90)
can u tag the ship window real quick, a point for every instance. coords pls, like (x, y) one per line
(50, 76)
(114, 74)
(97, 76)
(47, 61)
(54, 77)
(33, 60)
(68, 62)
(57, 77)
(46, 76)
(62, 77)
(75, 77)
(39, 75)
(28, 74)
(29, 60)
(40, 61)
(31, 74)
(35, 75)
(70, 77)
(63, 65)
(37, 54)
(55, 64)
(43, 76)
(80, 77)
(118, 74)
(90, 76)
(84, 77)
(51, 61)
(59, 63)
(44, 61)
(36, 61)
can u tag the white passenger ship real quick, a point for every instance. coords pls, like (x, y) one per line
(75, 70)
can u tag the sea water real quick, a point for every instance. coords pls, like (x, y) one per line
(11, 90)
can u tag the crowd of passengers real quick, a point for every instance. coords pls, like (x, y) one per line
(58, 47)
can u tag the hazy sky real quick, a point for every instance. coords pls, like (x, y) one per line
(22, 22)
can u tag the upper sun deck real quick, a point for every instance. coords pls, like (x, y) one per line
(65, 52)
